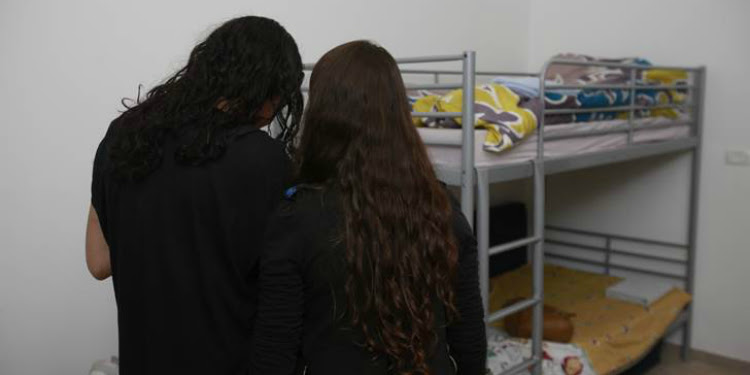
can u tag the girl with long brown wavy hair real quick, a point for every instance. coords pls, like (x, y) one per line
(369, 266)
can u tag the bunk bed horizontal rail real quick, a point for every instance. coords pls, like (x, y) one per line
(433, 86)
(624, 128)
(522, 367)
(615, 266)
(613, 109)
(617, 87)
(632, 152)
(437, 114)
(615, 251)
(509, 172)
(516, 307)
(608, 250)
(459, 72)
(617, 129)
(515, 244)
(560, 61)
(430, 59)
(615, 236)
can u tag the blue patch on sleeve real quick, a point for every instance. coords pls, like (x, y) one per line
(290, 192)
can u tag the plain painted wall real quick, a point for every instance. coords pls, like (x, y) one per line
(64, 66)
(648, 198)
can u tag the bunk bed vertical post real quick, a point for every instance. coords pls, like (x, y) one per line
(631, 111)
(467, 139)
(483, 237)
(698, 105)
(537, 259)
(607, 255)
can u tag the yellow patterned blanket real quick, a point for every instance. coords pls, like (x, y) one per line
(613, 333)
(497, 109)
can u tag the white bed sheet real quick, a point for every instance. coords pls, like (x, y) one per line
(526, 149)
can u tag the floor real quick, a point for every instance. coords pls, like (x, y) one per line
(694, 367)
(699, 364)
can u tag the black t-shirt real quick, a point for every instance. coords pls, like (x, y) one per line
(184, 246)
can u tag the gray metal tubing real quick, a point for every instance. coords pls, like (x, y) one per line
(615, 130)
(537, 262)
(459, 72)
(617, 87)
(631, 112)
(516, 307)
(430, 59)
(433, 86)
(483, 237)
(678, 323)
(620, 65)
(523, 366)
(524, 169)
(467, 137)
(617, 266)
(512, 245)
(622, 108)
(694, 205)
(608, 249)
(447, 142)
(437, 114)
(607, 254)
(615, 236)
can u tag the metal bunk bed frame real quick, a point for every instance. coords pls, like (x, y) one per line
(469, 176)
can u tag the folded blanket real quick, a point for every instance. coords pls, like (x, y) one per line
(497, 109)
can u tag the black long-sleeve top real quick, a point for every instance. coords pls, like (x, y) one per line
(300, 314)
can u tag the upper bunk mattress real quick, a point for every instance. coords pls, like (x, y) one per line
(450, 155)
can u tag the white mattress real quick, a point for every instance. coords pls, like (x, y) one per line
(450, 155)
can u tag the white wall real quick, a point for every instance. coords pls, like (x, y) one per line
(64, 66)
(648, 198)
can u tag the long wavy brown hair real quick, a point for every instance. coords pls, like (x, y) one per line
(401, 253)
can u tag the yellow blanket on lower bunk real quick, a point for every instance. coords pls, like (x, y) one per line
(615, 334)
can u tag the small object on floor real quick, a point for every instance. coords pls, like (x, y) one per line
(105, 367)
(558, 326)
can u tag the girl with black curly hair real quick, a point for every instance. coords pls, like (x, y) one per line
(183, 184)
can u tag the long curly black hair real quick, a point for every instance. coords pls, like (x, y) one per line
(241, 66)
(401, 253)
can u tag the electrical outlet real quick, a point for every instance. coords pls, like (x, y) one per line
(738, 157)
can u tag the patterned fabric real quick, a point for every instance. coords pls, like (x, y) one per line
(594, 98)
(614, 334)
(504, 353)
(497, 109)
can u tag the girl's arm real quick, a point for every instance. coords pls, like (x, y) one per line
(467, 336)
(278, 325)
(97, 250)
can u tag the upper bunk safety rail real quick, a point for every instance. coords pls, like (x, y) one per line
(690, 104)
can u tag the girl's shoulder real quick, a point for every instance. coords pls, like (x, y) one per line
(308, 203)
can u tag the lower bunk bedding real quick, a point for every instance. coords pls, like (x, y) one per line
(609, 335)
